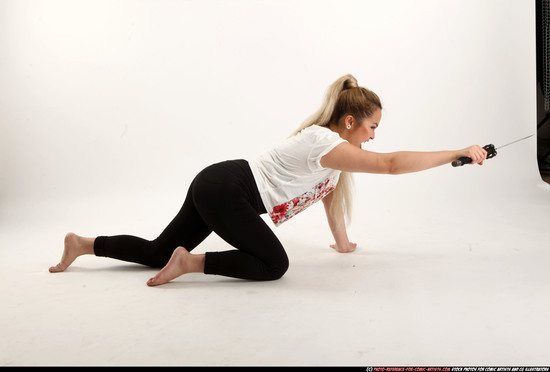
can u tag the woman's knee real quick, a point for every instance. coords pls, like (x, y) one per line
(276, 271)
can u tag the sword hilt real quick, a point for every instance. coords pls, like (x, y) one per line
(491, 153)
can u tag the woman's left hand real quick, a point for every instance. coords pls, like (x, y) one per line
(477, 153)
(344, 248)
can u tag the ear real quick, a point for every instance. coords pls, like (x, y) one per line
(349, 120)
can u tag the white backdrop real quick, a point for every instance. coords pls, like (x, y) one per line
(109, 108)
(121, 96)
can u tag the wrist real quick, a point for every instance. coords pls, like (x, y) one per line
(342, 242)
(341, 236)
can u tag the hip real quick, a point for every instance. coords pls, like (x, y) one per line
(230, 177)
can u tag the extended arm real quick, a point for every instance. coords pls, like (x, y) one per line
(348, 158)
(338, 228)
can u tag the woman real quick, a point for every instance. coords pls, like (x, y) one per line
(229, 197)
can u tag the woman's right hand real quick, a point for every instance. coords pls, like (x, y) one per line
(477, 153)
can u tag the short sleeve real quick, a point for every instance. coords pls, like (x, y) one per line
(323, 140)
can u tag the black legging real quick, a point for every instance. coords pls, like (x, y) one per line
(222, 198)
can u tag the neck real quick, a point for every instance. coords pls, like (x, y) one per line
(338, 129)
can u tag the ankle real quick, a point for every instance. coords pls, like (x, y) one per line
(88, 245)
(196, 263)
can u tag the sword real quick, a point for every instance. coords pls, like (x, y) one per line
(521, 139)
(491, 152)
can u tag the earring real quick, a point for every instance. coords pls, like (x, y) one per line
(348, 127)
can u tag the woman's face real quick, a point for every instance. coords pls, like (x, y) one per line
(364, 132)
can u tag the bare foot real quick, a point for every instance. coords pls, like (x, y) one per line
(181, 262)
(75, 246)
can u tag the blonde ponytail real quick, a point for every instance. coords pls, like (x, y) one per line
(324, 114)
(343, 97)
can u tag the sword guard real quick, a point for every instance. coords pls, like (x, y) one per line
(491, 151)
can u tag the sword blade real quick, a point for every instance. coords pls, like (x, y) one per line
(521, 139)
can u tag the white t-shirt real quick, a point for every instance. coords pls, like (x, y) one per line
(290, 177)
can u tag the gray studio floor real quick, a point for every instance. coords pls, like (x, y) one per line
(461, 282)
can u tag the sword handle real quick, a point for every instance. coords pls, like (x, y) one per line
(491, 153)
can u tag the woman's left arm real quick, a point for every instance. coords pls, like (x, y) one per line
(338, 228)
(349, 158)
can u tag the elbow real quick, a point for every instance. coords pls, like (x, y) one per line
(394, 165)
(390, 167)
(380, 164)
(395, 171)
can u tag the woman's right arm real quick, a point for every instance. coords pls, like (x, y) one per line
(337, 226)
(348, 158)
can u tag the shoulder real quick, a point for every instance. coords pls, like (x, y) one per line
(318, 132)
(317, 129)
